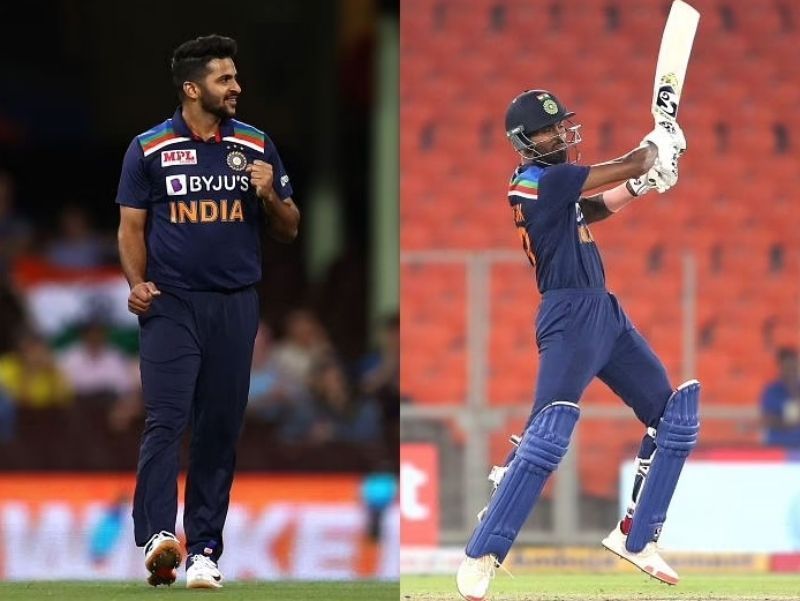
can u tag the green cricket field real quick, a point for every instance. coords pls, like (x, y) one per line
(253, 591)
(612, 587)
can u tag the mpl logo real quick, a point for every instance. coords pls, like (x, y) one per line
(176, 185)
(179, 157)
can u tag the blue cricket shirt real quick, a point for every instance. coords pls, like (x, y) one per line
(554, 233)
(773, 400)
(204, 219)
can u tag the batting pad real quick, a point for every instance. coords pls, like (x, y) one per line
(675, 438)
(542, 447)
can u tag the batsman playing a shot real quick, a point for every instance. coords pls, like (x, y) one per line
(195, 193)
(583, 332)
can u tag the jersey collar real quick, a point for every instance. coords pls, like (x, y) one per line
(182, 128)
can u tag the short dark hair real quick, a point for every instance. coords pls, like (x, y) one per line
(190, 59)
(786, 352)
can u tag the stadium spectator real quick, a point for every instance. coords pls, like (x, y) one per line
(126, 412)
(305, 341)
(8, 417)
(31, 377)
(94, 367)
(12, 316)
(271, 394)
(98, 372)
(332, 412)
(380, 371)
(15, 232)
(78, 245)
(379, 374)
(780, 402)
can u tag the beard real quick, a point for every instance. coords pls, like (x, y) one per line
(216, 105)
(555, 158)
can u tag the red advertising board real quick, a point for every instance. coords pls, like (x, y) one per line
(279, 527)
(419, 494)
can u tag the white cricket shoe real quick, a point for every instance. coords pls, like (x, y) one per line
(474, 577)
(648, 560)
(203, 573)
(162, 556)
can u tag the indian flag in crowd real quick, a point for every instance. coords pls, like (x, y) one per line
(57, 298)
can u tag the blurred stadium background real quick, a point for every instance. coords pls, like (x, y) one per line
(709, 272)
(318, 460)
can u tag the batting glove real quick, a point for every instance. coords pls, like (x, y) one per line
(670, 142)
(676, 132)
(638, 186)
(666, 145)
(662, 179)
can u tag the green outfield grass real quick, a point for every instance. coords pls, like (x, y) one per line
(254, 591)
(611, 587)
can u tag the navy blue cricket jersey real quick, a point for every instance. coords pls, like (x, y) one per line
(555, 236)
(204, 221)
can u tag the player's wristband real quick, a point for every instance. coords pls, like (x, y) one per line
(617, 198)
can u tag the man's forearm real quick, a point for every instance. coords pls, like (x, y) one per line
(594, 209)
(132, 256)
(283, 218)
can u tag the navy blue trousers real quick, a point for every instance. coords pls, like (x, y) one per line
(195, 349)
(583, 333)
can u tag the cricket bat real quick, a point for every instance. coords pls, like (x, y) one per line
(673, 58)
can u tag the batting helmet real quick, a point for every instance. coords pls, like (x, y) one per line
(530, 112)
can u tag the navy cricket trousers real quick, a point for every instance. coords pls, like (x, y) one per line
(583, 333)
(195, 348)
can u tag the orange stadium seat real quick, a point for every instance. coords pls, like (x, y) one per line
(727, 433)
(603, 444)
(416, 236)
(759, 21)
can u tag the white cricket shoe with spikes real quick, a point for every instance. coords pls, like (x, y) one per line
(203, 573)
(474, 577)
(162, 556)
(648, 560)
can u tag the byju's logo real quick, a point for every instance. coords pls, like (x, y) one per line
(176, 185)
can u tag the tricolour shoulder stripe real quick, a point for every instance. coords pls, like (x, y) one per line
(247, 133)
(248, 128)
(158, 131)
(524, 183)
(522, 194)
(158, 137)
(524, 187)
(161, 143)
(245, 142)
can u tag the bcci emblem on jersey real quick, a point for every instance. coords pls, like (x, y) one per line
(236, 160)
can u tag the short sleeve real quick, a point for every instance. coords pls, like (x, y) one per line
(281, 182)
(561, 184)
(134, 185)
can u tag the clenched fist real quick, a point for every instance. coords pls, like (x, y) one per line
(141, 297)
(261, 177)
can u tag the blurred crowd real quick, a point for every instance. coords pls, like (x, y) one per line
(780, 402)
(301, 385)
